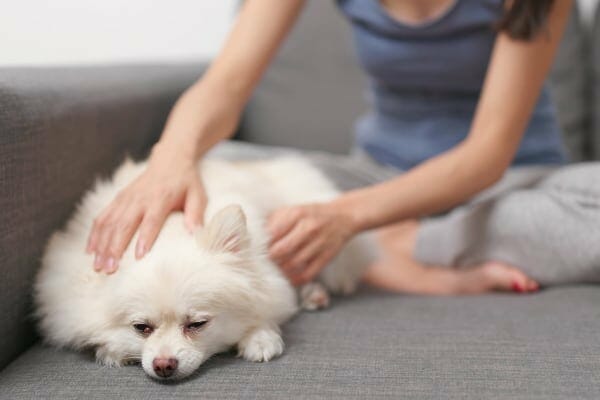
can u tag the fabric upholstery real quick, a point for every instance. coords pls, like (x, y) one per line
(595, 44)
(60, 128)
(313, 91)
(570, 89)
(372, 345)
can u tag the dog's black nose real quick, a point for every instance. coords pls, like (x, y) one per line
(164, 367)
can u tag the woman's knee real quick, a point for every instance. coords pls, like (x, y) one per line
(581, 179)
(523, 214)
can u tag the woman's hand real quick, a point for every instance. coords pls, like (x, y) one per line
(304, 239)
(170, 182)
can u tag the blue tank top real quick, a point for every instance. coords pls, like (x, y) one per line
(425, 81)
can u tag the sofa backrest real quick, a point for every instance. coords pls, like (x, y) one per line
(59, 129)
(595, 73)
(314, 91)
(569, 83)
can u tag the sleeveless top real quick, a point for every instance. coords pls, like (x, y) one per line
(425, 81)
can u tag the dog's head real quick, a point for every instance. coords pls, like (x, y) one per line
(175, 309)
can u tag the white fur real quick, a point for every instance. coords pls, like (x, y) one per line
(220, 274)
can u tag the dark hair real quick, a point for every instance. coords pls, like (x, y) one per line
(524, 19)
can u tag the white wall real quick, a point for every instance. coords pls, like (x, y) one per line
(34, 32)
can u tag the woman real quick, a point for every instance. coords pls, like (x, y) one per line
(458, 98)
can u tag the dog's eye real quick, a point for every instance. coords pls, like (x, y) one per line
(194, 326)
(144, 329)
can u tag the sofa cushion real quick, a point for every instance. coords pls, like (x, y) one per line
(373, 345)
(59, 129)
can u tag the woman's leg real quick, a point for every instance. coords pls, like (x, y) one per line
(549, 232)
(398, 271)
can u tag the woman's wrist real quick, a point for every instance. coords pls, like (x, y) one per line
(350, 212)
(165, 148)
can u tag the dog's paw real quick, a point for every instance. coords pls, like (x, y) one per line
(314, 296)
(108, 358)
(261, 344)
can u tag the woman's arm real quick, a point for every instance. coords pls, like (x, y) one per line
(515, 76)
(205, 114)
(514, 79)
(197, 121)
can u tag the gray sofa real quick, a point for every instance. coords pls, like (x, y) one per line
(62, 127)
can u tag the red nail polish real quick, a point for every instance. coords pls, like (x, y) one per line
(516, 287)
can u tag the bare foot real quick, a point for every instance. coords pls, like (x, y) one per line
(409, 277)
(399, 272)
(501, 276)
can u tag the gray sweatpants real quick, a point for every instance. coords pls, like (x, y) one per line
(544, 220)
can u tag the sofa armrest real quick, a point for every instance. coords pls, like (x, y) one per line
(59, 129)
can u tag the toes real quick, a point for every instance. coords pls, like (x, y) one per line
(523, 284)
(508, 278)
(517, 286)
(532, 286)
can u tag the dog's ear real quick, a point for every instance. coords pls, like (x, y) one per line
(226, 231)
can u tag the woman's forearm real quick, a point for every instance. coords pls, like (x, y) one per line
(210, 110)
(437, 185)
(198, 121)
(515, 76)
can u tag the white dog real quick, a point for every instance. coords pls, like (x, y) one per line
(191, 296)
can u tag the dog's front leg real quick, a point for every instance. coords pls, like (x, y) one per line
(261, 344)
(313, 296)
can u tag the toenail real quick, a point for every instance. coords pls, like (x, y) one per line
(516, 287)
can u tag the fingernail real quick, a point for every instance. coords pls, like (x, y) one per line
(140, 249)
(110, 265)
(97, 263)
(100, 259)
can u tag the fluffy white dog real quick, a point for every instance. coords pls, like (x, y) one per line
(191, 296)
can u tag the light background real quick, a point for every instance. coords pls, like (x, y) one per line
(50, 32)
(111, 31)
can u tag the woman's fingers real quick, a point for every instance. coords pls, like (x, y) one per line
(195, 204)
(126, 225)
(143, 206)
(313, 269)
(112, 234)
(282, 250)
(282, 221)
(99, 238)
(301, 259)
(92, 242)
(151, 225)
(97, 229)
